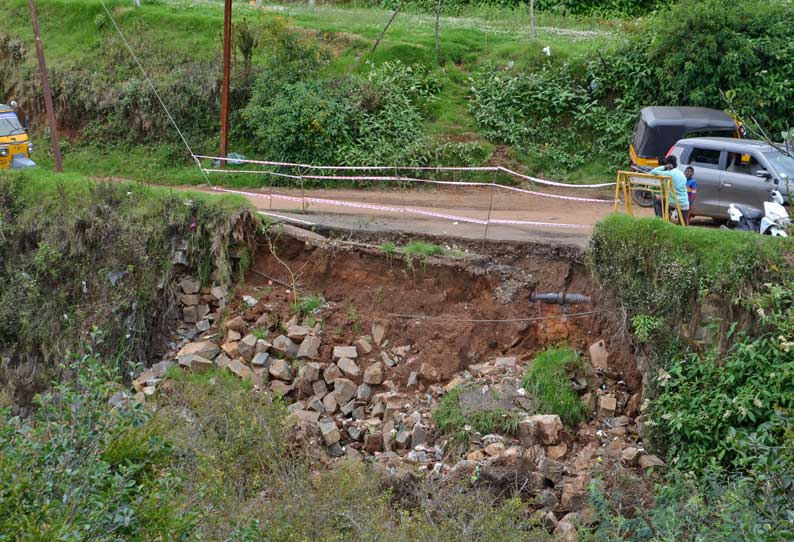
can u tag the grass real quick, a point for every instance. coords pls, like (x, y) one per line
(548, 383)
(422, 249)
(78, 34)
(450, 420)
(307, 305)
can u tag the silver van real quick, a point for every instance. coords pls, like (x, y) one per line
(728, 170)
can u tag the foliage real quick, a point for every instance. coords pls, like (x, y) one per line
(548, 382)
(757, 506)
(450, 420)
(421, 249)
(83, 471)
(75, 254)
(644, 326)
(708, 406)
(307, 305)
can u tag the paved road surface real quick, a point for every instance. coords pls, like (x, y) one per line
(466, 202)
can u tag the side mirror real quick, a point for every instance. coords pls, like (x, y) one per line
(776, 181)
(763, 174)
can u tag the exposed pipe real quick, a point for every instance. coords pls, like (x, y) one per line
(561, 298)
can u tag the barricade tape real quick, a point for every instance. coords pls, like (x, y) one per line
(405, 168)
(412, 180)
(400, 210)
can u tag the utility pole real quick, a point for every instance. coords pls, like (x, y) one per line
(137, 3)
(227, 53)
(532, 19)
(45, 84)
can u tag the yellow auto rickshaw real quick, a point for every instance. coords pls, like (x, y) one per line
(15, 145)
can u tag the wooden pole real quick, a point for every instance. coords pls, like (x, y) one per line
(438, 16)
(45, 84)
(227, 53)
(137, 3)
(383, 33)
(532, 19)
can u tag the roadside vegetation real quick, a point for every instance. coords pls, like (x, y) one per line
(76, 255)
(712, 315)
(306, 86)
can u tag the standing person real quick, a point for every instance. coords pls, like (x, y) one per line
(669, 169)
(691, 190)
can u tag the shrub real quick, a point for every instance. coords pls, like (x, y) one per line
(548, 382)
(707, 405)
(450, 420)
(81, 471)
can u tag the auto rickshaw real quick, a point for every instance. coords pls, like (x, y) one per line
(15, 145)
(659, 127)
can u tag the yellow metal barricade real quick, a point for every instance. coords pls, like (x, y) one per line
(628, 181)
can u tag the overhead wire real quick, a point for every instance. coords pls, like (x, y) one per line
(157, 94)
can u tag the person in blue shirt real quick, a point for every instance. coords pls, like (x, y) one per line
(691, 190)
(669, 169)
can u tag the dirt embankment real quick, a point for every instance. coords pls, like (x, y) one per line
(455, 312)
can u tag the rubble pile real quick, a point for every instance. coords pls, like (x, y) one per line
(348, 400)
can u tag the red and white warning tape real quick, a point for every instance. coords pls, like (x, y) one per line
(368, 178)
(400, 168)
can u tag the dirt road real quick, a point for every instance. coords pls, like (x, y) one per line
(561, 221)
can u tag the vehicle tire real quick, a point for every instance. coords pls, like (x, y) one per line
(641, 197)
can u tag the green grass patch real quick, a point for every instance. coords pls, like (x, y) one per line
(422, 249)
(547, 382)
(450, 420)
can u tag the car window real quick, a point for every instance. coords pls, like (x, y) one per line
(708, 158)
(744, 163)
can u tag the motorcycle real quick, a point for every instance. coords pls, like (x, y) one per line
(774, 220)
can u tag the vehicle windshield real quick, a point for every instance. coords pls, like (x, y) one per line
(9, 125)
(783, 165)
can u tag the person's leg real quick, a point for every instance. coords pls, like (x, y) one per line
(657, 206)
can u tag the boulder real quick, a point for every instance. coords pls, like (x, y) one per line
(599, 357)
(190, 299)
(222, 360)
(553, 471)
(505, 363)
(190, 315)
(237, 367)
(200, 364)
(345, 352)
(319, 388)
(310, 372)
(565, 531)
(344, 390)
(202, 311)
(262, 359)
(236, 324)
(219, 293)
(607, 405)
(373, 374)
(231, 349)
(574, 492)
(305, 416)
(329, 431)
(373, 442)
(330, 403)
(280, 388)
(233, 336)
(510, 474)
(247, 347)
(205, 349)
(189, 285)
(540, 429)
(378, 333)
(348, 367)
(285, 347)
(363, 346)
(648, 461)
(310, 347)
(331, 373)
(280, 370)
(364, 392)
(630, 456)
(557, 452)
(298, 333)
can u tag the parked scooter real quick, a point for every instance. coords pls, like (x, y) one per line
(773, 221)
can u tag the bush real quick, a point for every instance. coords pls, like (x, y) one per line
(548, 383)
(708, 406)
(450, 420)
(74, 473)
